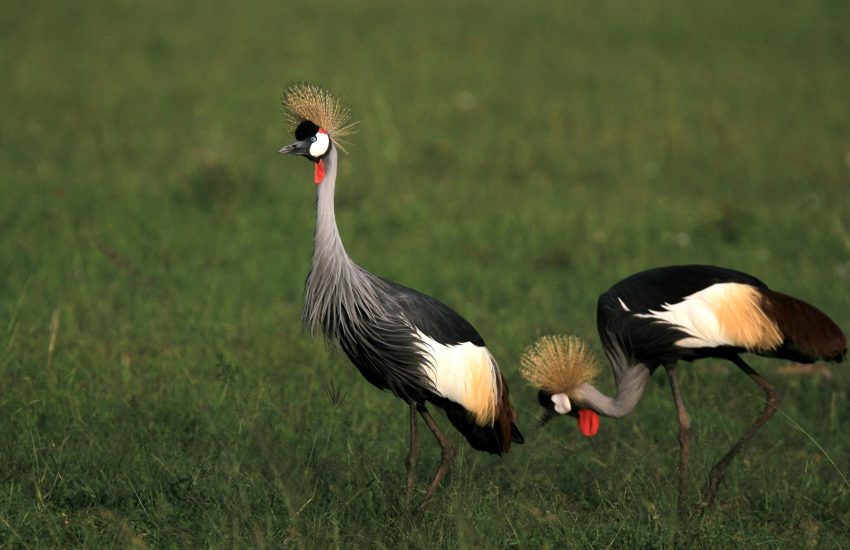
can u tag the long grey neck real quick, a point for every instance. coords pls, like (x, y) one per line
(337, 289)
(630, 387)
(327, 244)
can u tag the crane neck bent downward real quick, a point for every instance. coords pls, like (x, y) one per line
(630, 387)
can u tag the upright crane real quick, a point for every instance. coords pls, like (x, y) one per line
(667, 314)
(399, 339)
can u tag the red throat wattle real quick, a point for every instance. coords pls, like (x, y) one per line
(588, 422)
(319, 174)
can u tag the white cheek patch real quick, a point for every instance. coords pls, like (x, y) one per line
(562, 403)
(320, 146)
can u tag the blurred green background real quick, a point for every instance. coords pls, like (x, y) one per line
(513, 160)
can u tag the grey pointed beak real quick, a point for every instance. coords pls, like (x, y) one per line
(548, 415)
(297, 148)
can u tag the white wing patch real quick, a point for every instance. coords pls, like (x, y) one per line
(723, 314)
(622, 303)
(466, 374)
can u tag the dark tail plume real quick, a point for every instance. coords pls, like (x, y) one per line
(810, 335)
(506, 418)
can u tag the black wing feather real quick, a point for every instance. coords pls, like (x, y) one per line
(432, 317)
(647, 340)
(653, 288)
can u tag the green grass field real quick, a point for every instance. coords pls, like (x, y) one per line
(513, 160)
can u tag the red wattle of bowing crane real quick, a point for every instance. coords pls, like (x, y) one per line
(661, 316)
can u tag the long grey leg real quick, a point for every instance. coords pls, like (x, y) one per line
(684, 438)
(448, 455)
(773, 401)
(412, 455)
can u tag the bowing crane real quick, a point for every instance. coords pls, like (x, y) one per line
(667, 314)
(399, 339)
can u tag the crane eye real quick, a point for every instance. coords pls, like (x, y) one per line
(321, 143)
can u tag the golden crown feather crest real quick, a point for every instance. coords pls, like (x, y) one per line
(306, 101)
(558, 364)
